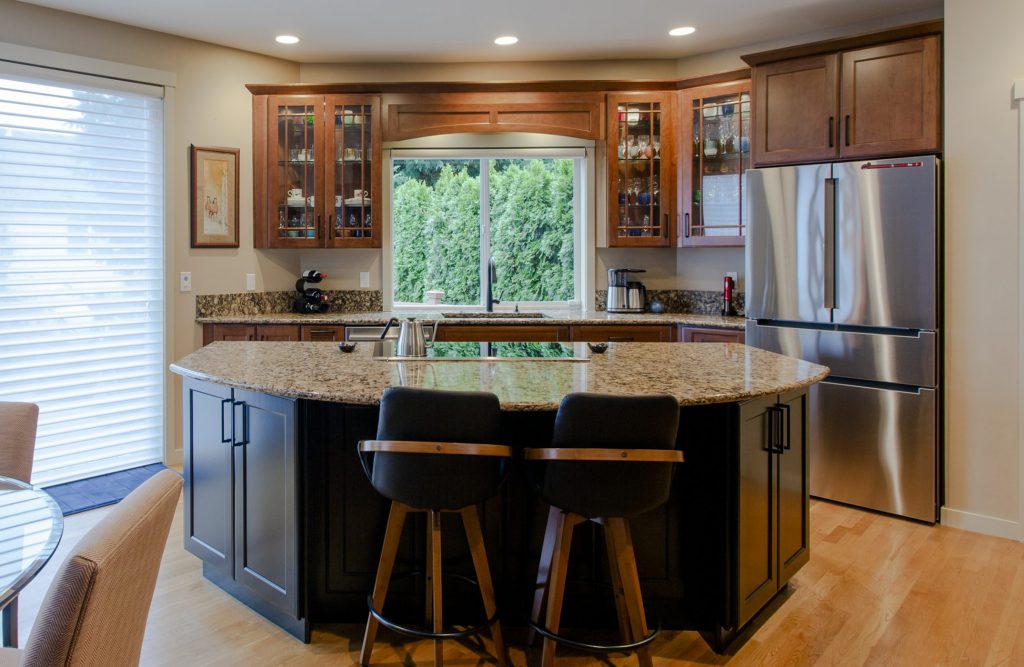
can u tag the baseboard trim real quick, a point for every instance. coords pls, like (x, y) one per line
(981, 523)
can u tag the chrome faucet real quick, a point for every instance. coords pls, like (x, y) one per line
(492, 279)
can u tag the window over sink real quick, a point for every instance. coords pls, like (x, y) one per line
(452, 211)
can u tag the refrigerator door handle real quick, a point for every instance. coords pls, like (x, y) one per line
(830, 244)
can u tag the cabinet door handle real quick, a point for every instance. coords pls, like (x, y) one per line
(846, 131)
(831, 131)
(245, 424)
(686, 225)
(769, 438)
(225, 438)
(785, 415)
(620, 339)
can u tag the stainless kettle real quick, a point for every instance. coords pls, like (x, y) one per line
(412, 342)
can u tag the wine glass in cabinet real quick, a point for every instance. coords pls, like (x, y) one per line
(714, 156)
(640, 169)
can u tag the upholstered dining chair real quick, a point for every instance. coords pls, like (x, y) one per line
(94, 613)
(17, 451)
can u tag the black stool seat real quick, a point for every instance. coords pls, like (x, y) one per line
(435, 452)
(611, 458)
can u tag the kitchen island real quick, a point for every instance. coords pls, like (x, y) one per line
(278, 508)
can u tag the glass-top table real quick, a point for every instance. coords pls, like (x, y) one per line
(31, 525)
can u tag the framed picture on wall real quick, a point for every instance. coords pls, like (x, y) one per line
(214, 190)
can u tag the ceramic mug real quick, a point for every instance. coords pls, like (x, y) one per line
(361, 194)
(337, 201)
(294, 193)
(311, 200)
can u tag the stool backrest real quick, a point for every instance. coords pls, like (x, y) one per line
(610, 489)
(429, 481)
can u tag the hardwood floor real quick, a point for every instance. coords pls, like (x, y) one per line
(877, 591)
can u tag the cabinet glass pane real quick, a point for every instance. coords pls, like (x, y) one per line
(294, 199)
(352, 172)
(720, 157)
(638, 128)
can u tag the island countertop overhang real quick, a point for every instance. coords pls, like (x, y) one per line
(694, 373)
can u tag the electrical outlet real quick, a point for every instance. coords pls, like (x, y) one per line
(186, 282)
(250, 281)
(364, 278)
(733, 275)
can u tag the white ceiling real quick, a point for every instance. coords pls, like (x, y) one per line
(464, 30)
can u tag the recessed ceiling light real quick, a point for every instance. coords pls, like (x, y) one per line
(506, 40)
(287, 39)
(684, 30)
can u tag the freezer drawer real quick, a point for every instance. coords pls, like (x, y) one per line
(908, 360)
(875, 448)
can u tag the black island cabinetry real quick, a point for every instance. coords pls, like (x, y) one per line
(279, 510)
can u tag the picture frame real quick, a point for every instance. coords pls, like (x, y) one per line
(214, 196)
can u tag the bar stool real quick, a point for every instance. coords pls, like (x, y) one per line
(433, 455)
(611, 459)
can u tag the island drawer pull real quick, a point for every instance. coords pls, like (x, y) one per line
(225, 438)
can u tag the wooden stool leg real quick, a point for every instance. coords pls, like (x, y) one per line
(435, 576)
(626, 560)
(543, 568)
(556, 582)
(392, 535)
(475, 537)
(616, 580)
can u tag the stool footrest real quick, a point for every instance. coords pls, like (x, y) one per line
(594, 648)
(426, 634)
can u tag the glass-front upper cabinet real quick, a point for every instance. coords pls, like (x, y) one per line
(641, 180)
(715, 154)
(294, 171)
(354, 150)
(322, 159)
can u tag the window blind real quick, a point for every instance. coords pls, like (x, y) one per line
(81, 272)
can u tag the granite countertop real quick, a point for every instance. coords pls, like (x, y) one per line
(695, 373)
(550, 318)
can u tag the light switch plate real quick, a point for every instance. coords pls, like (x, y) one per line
(364, 278)
(186, 281)
(733, 275)
(250, 281)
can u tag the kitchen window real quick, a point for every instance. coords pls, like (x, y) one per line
(452, 212)
(81, 268)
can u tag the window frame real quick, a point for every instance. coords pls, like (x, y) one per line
(583, 180)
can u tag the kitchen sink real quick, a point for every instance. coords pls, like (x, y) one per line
(479, 315)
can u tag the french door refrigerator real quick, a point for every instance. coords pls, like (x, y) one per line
(842, 269)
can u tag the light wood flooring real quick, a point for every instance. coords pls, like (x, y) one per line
(877, 591)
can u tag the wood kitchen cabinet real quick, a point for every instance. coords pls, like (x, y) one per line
(322, 333)
(876, 101)
(241, 499)
(273, 332)
(714, 154)
(702, 335)
(638, 333)
(316, 163)
(641, 171)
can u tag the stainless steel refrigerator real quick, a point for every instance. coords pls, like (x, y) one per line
(842, 268)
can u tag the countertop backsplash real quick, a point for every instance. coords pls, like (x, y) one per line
(259, 303)
(701, 302)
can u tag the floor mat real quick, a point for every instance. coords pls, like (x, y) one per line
(87, 494)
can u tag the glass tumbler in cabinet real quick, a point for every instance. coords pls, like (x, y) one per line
(353, 147)
(640, 169)
(714, 159)
(293, 182)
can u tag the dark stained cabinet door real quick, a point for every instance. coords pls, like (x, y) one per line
(796, 108)
(696, 335)
(890, 99)
(794, 491)
(277, 332)
(601, 333)
(328, 333)
(207, 429)
(265, 498)
(757, 579)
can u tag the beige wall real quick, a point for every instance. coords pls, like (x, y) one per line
(984, 53)
(211, 108)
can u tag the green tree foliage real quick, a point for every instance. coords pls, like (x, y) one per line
(437, 229)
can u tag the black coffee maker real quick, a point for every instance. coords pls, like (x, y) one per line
(310, 299)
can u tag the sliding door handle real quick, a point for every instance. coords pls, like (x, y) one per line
(829, 249)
